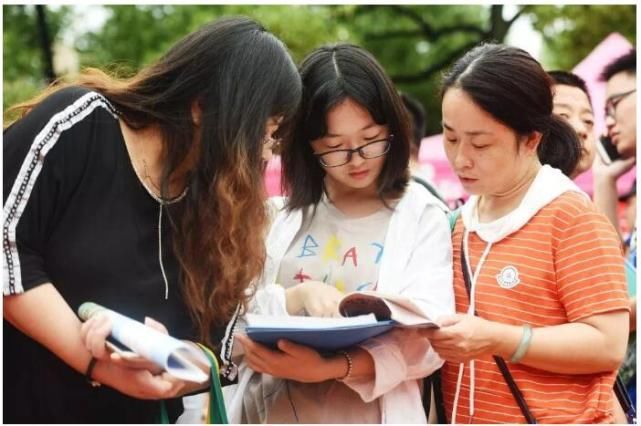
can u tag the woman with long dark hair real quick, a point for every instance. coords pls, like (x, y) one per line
(538, 272)
(352, 221)
(143, 195)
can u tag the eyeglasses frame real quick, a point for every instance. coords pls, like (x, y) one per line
(359, 149)
(613, 101)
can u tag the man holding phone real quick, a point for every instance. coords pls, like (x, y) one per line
(620, 121)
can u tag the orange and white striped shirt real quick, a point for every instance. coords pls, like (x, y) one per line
(568, 266)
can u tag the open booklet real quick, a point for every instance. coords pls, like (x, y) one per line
(178, 358)
(364, 315)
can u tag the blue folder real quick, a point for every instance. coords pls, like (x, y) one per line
(321, 339)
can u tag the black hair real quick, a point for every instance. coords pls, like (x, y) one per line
(240, 75)
(567, 78)
(417, 113)
(332, 74)
(624, 63)
(510, 85)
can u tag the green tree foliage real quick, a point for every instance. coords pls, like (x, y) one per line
(414, 43)
(301, 27)
(571, 32)
(23, 65)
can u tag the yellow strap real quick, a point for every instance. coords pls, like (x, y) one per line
(213, 357)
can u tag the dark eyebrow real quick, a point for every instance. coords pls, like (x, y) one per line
(471, 132)
(369, 126)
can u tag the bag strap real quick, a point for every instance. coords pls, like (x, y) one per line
(625, 400)
(452, 217)
(500, 362)
(216, 413)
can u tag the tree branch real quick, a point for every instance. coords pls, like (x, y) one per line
(461, 28)
(423, 25)
(432, 33)
(45, 43)
(427, 72)
(518, 14)
(392, 34)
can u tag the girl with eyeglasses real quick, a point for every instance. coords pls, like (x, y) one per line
(352, 221)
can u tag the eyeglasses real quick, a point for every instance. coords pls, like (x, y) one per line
(613, 101)
(340, 157)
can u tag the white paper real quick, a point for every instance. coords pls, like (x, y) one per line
(176, 357)
(293, 321)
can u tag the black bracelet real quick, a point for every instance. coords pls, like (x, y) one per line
(89, 371)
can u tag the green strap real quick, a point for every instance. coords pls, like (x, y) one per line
(216, 413)
(164, 415)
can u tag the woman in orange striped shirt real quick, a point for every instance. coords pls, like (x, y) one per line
(546, 294)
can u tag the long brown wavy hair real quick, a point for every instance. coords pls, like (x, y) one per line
(240, 75)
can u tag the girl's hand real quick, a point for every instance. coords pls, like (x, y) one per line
(140, 383)
(94, 333)
(127, 372)
(292, 361)
(317, 298)
(462, 337)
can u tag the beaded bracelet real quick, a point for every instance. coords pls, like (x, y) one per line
(350, 364)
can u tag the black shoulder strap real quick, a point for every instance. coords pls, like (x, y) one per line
(500, 362)
(624, 399)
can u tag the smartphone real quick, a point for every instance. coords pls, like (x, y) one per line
(607, 150)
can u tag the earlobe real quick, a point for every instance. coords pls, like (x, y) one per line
(533, 141)
(196, 113)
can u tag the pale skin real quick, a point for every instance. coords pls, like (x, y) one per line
(475, 144)
(573, 105)
(57, 327)
(621, 127)
(349, 126)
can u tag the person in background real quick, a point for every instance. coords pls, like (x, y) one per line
(417, 114)
(352, 221)
(538, 274)
(621, 125)
(572, 102)
(144, 196)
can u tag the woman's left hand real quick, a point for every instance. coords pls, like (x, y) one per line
(462, 337)
(291, 361)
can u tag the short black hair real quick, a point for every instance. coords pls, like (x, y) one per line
(417, 113)
(626, 63)
(567, 78)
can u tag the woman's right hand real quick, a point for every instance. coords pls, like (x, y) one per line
(138, 382)
(132, 375)
(94, 333)
(317, 298)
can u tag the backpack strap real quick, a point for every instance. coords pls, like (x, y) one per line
(452, 217)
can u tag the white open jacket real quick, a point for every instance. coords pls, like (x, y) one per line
(417, 263)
